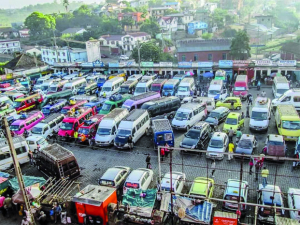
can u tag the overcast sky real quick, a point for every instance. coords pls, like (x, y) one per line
(8, 4)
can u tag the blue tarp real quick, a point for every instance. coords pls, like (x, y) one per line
(208, 74)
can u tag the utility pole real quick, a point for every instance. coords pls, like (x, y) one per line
(18, 171)
(257, 40)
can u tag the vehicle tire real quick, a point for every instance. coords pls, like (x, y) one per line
(238, 108)
(171, 116)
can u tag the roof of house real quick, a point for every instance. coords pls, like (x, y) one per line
(7, 29)
(23, 62)
(117, 37)
(72, 30)
(204, 45)
(8, 40)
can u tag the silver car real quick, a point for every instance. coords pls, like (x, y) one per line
(115, 177)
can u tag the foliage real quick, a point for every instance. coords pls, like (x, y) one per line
(218, 17)
(228, 32)
(150, 26)
(149, 51)
(207, 36)
(127, 21)
(240, 49)
(66, 4)
(170, 11)
(165, 42)
(285, 18)
(40, 25)
(143, 10)
(128, 9)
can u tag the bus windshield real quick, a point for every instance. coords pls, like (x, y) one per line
(291, 125)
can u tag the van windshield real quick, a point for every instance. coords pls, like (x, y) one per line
(44, 88)
(239, 88)
(181, 116)
(259, 115)
(106, 107)
(214, 115)
(66, 126)
(247, 144)
(214, 92)
(168, 88)
(216, 144)
(64, 111)
(155, 88)
(14, 127)
(122, 132)
(291, 125)
(103, 131)
(183, 88)
(39, 82)
(106, 89)
(281, 91)
(17, 104)
(53, 89)
(124, 89)
(193, 134)
(83, 130)
(140, 90)
(37, 130)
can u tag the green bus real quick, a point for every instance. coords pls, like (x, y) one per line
(115, 101)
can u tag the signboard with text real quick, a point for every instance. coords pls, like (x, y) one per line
(205, 64)
(113, 64)
(263, 63)
(184, 64)
(241, 62)
(89, 64)
(287, 63)
(146, 64)
(165, 64)
(98, 63)
(225, 63)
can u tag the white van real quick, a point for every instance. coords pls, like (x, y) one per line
(45, 87)
(217, 90)
(210, 102)
(40, 82)
(280, 85)
(260, 115)
(290, 97)
(6, 99)
(138, 179)
(136, 124)
(137, 77)
(75, 84)
(47, 125)
(108, 126)
(143, 86)
(188, 115)
(71, 76)
(112, 86)
(36, 143)
(185, 87)
(21, 148)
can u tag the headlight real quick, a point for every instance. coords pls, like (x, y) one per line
(194, 146)
(180, 144)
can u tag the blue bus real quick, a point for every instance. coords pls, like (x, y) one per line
(54, 107)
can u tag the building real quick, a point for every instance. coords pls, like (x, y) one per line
(63, 55)
(172, 5)
(202, 15)
(116, 44)
(93, 50)
(195, 26)
(9, 46)
(259, 34)
(138, 3)
(182, 18)
(290, 51)
(24, 64)
(136, 16)
(24, 33)
(210, 6)
(32, 50)
(231, 4)
(8, 32)
(267, 20)
(160, 10)
(73, 31)
(203, 50)
(168, 23)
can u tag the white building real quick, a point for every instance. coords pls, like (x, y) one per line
(63, 55)
(115, 43)
(9, 46)
(210, 6)
(138, 3)
(168, 23)
(93, 50)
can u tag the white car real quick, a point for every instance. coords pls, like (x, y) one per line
(294, 202)
(178, 181)
(217, 145)
(124, 57)
(36, 141)
(138, 179)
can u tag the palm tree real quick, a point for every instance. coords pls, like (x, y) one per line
(66, 4)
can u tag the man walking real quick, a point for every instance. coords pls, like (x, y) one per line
(213, 168)
(130, 142)
(230, 151)
(251, 165)
(230, 135)
(238, 135)
(264, 174)
(247, 111)
(148, 159)
(250, 99)
(263, 94)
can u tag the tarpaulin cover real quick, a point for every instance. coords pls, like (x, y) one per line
(5, 175)
(28, 180)
(141, 206)
(3, 182)
(32, 193)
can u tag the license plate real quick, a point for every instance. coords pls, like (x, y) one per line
(270, 219)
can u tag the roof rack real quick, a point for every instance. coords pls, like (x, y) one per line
(161, 125)
(144, 95)
(114, 113)
(56, 152)
(51, 118)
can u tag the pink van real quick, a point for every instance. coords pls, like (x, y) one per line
(26, 121)
(241, 86)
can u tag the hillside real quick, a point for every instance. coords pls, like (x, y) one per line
(8, 16)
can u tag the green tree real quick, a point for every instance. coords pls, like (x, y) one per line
(149, 51)
(151, 27)
(127, 21)
(240, 48)
(143, 10)
(218, 17)
(228, 32)
(128, 9)
(66, 4)
(40, 25)
(170, 11)
(207, 36)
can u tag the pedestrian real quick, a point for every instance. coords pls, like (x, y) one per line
(130, 142)
(295, 164)
(76, 135)
(162, 154)
(213, 167)
(232, 105)
(30, 155)
(215, 123)
(230, 151)
(241, 96)
(228, 78)
(242, 116)
(248, 96)
(97, 93)
(24, 221)
(42, 218)
(148, 161)
(238, 135)
(7, 204)
(257, 165)
(57, 210)
(2, 198)
(54, 135)
(250, 99)
(264, 174)
(247, 111)
(191, 93)
(104, 94)
(263, 94)
(251, 166)
(230, 134)
(26, 134)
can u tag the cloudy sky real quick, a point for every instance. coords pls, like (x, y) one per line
(8, 4)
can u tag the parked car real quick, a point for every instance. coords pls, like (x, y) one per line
(218, 144)
(276, 145)
(203, 187)
(237, 103)
(138, 179)
(124, 57)
(178, 181)
(115, 177)
(232, 193)
(220, 113)
(294, 202)
(234, 121)
(246, 144)
(197, 137)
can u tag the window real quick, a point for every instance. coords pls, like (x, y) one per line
(20, 150)
(183, 58)
(224, 56)
(72, 164)
(47, 128)
(52, 124)
(4, 156)
(296, 98)
(196, 57)
(81, 120)
(209, 57)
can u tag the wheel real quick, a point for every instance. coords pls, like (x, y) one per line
(171, 116)
(238, 108)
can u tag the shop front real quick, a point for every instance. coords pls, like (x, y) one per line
(183, 67)
(205, 67)
(243, 67)
(226, 65)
